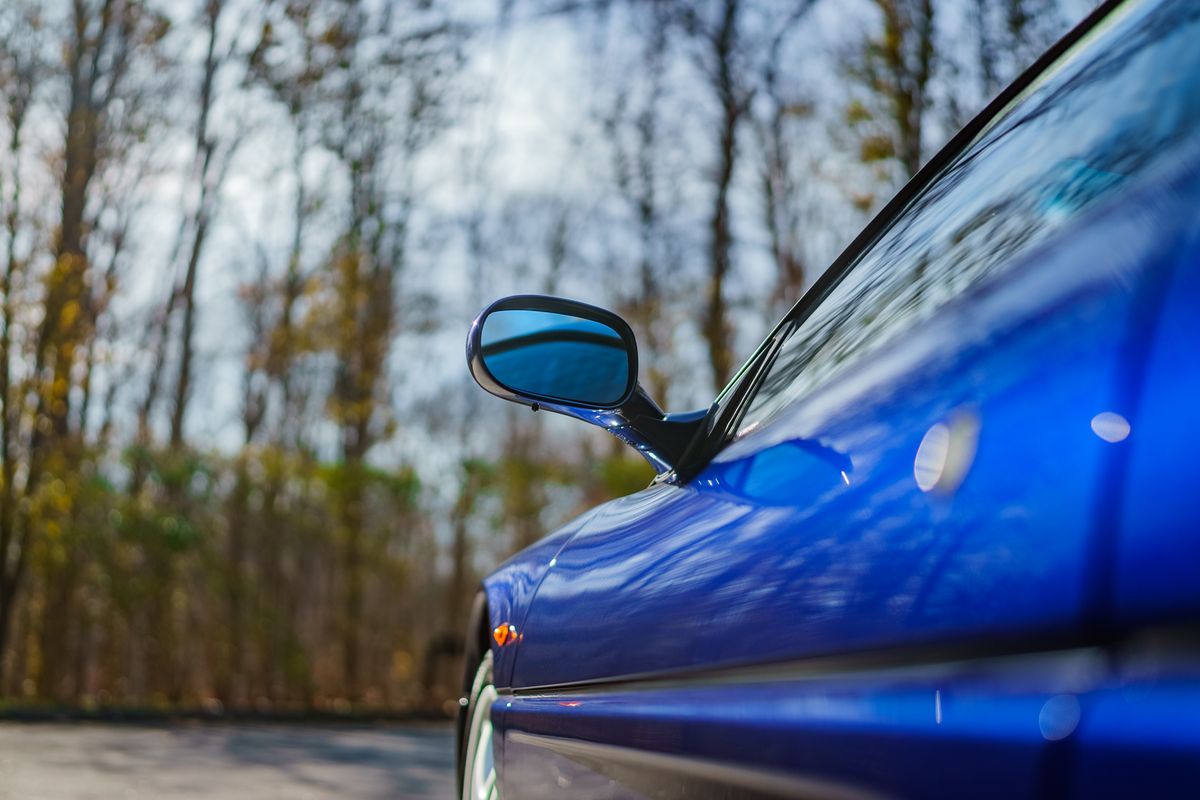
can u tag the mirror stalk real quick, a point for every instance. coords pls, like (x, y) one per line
(661, 438)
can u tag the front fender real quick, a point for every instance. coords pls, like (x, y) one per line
(509, 593)
(505, 599)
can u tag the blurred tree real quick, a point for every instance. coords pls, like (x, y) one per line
(22, 70)
(895, 69)
(212, 153)
(633, 125)
(110, 48)
(1010, 35)
(388, 116)
(730, 58)
(782, 117)
(721, 42)
(383, 75)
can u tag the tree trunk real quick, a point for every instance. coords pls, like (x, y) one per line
(205, 148)
(352, 608)
(716, 326)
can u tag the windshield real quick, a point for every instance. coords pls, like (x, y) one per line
(1122, 102)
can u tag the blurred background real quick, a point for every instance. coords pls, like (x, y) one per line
(241, 242)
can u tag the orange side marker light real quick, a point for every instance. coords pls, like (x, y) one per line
(505, 634)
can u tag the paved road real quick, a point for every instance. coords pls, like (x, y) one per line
(230, 762)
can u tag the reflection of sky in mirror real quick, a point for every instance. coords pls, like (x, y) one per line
(555, 356)
(509, 323)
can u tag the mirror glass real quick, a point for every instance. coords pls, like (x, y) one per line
(556, 356)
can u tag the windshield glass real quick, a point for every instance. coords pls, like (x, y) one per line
(1122, 102)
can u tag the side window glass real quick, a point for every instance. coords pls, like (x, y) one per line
(1124, 102)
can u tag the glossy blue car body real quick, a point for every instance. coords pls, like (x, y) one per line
(808, 614)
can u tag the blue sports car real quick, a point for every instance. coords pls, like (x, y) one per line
(940, 536)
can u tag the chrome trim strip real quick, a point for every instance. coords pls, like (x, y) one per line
(902, 665)
(1176, 647)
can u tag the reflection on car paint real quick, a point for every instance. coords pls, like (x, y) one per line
(947, 452)
(1111, 427)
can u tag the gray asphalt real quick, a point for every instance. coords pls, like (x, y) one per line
(115, 762)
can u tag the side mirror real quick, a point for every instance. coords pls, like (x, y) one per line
(579, 360)
(556, 351)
